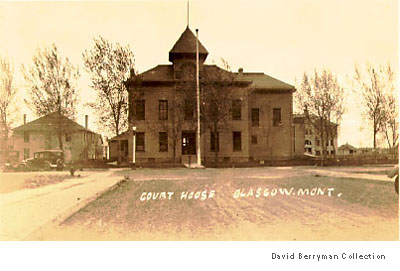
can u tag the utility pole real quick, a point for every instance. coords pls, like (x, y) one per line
(198, 100)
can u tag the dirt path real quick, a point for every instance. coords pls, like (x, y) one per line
(25, 211)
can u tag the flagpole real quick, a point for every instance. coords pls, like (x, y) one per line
(198, 100)
(187, 11)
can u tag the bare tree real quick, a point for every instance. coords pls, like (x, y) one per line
(7, 99)
(390, 121)
(321, 97)
(51, 82)
(216, 101)
(110, 65)
(377, 87)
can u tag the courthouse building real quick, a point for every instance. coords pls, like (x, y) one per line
(260, 127)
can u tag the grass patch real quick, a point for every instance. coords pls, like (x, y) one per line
(374, 172)
(122, 207)
(368, 193)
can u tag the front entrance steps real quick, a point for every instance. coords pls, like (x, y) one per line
(190, 161)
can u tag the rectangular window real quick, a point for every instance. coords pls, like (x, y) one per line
(236, 109)
(26, 137)
(189, 110)
(317, 153)
(317, 142)
(139, 141)
(255, 117)
(67, 137)
(163, 141)
(237, 141)
(254, 140)
(140, 111)
(162, 109)
(47, 141)
(277, 117)
(214, 141)
(26, 153)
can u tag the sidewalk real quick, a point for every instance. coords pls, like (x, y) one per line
(26, 211)
(339, 174)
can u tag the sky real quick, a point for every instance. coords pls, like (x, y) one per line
(283, 38)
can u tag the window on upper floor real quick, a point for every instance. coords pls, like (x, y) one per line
(189, 110)
(255, 117)
(277, 116)
(140, 110)
(26, 137)
(162, 109)
(236, 109)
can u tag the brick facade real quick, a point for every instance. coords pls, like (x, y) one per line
(259, 96)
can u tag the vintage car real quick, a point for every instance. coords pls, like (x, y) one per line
(394, 173)
(44, 160)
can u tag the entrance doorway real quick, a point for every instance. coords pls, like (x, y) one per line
(188, 143)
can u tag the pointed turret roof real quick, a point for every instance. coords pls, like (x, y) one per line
(186, 44)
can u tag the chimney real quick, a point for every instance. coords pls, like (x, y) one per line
(86, 121)
(240, 71)
(24, 119)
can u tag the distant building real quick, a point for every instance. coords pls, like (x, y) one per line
(79, 143)
(118, 148)
(308, 140)
(259, 129)
(347, 149)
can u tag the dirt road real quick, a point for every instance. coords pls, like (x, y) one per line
(358, 209)
(25, 211)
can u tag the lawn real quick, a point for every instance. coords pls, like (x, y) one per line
(242, 204)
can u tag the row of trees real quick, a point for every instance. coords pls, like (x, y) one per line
(322, 98)
(52, 87)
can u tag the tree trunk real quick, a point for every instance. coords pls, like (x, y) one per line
(323, 146)
(216, 147)
(174, 150)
